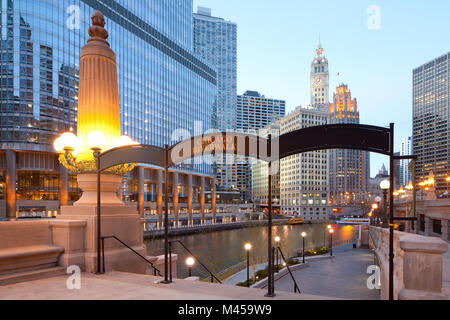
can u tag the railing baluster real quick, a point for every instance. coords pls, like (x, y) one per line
(134, 251)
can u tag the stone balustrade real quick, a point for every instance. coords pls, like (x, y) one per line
(417, 264)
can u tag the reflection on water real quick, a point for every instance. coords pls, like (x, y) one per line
(222, 249)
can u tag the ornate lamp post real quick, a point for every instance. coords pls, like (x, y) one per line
(190, 263)
(277, 244)
(385, 185)
(331, 241)
(98, 130)
(248, 247)
(303, 244)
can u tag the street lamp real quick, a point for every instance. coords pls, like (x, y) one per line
(190, 263)
(331, 241)
(385, 185)
(277, 241)
(248, 247)
(303, 244)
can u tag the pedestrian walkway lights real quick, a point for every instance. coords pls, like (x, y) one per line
(248, 247)
(331, 231)
(190, 263)
(303, 244)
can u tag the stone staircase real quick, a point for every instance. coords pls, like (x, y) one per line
(30, 275)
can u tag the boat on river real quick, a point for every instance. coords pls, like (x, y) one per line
(294, 221)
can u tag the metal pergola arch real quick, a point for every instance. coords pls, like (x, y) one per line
(337, 136)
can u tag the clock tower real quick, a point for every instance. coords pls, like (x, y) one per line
(320, 79)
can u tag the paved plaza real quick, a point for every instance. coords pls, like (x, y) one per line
(342, 277)
(127, 286)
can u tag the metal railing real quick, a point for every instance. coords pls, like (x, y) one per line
(213, 277)
(296, 287)
(155, 270)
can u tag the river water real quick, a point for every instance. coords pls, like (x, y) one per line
(222, 249)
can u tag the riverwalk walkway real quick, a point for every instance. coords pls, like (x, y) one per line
(127, 286)
(344, 276)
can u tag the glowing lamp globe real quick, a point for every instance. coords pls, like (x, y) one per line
(277, 239)
(303, 234)
(190, 261)
(385, 185)
(96, 140)
(58, 145)
(331, 230)
(66, 140)
(248, 246)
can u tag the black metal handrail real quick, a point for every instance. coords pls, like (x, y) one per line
(155, 270)
(190, 252)
(296, 287)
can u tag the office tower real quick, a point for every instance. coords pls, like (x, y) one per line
(260, 174)
(405, 150)
(349, 169)
(431, 120)
(254, 112)
(163, 86)
(304, 177)
(320, 79)
(215, 41)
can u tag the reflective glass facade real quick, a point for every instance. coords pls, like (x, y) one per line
(431, 121)
(215, 40)
(163, 86)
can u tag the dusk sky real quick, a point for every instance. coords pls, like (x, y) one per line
(277, 40)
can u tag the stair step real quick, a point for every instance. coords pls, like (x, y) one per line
(17, 277)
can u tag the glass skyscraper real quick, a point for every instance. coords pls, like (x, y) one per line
(431, 121)
(254, 112)
(163, 85)
(215, 40)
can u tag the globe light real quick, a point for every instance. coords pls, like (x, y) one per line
(248, 246)
(303, 234)
(374, 206)
(385, 185)
(190, 261)
(66, 140)
(58, 145)
(96, 140)
(331, 230)
(329, 226)
(277, 239)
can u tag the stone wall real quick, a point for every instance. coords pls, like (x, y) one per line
(417, 264)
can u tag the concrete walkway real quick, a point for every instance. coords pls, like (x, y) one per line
(342, 277)
(127, 286)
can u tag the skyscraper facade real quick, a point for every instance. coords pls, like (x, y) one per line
(405, 150)
(163, 86)
(215, 40)
(304, 177)
(254, 112)
(349, 170)
(431, 120)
